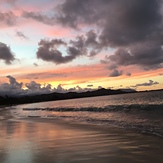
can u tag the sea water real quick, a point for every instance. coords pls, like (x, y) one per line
(142, 112)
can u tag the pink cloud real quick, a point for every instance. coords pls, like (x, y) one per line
(60, 32)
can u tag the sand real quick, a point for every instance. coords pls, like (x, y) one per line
(36, 140)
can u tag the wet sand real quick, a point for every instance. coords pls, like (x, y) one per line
(36, 140)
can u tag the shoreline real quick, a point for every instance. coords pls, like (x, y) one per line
(66, 96)
(52, 140)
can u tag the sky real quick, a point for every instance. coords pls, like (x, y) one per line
(80, 45)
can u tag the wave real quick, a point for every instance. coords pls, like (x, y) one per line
(109, 108)
(144, 128)
(146, 119)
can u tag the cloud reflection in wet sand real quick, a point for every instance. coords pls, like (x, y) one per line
(39, 142)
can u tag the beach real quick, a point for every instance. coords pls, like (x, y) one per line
(81, 81)
(38, 140)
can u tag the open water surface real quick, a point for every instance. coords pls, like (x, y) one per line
(139, 111)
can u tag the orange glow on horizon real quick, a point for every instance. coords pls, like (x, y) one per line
(97, 75)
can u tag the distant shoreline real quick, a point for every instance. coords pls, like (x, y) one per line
(9, 101)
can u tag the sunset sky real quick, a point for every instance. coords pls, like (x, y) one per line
(79, 45)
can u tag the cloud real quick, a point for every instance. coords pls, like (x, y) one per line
(128, 74)
(106, 61)
(48, 51)
(78, 89)
(147, 55)
(81, 46)
(43, 75)
(133, 27)
(60, 89)
(14, 83)
(11, 2)
(149, 83)
(21, 35)
(39, 17)
(121, 22)
(111, 66)
(6, 54)
(35, 64)
(7, 19)
(73, 12)
(36, 88)
(90, 85)
(12, 88)
(115, 73)
(33, 85)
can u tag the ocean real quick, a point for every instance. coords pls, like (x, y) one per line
(115, 128)
(141, 112)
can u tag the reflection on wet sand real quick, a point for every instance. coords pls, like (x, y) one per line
(49, 141)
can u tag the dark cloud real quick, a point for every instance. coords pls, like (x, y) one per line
(130, 21)
(115, 73)
(6, 54)
(149, 83)
(90, 85)
(37, 88)
(91, 39)
(133, 27)
(7, 19)
(92, 42)
(14, 83)
(72, 13)
(87, 44)
(77, 47)
(147, 55)
(12, 88)
(21, 35)
(60, 89)
(81, 46)
(48, 51)
(33, 85)
(111, 66)
(122, 22)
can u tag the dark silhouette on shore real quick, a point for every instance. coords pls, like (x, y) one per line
(7, 100)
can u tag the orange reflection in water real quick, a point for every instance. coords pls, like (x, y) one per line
(42, 141)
